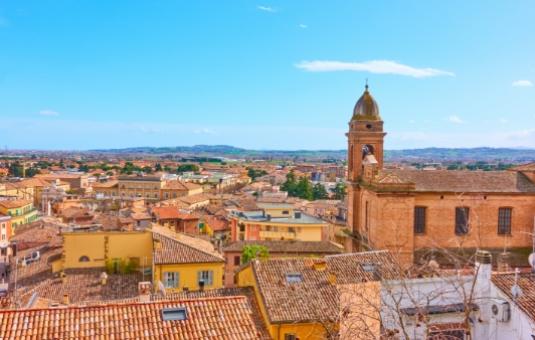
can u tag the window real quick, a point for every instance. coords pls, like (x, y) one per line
(170, 279)
(462, 219)
(285, 212)
(504, 221)
(206, 276)
(174, 314)
(237, 260)
(83, 259)
(290, 336)
(419, 220)
(294, 278)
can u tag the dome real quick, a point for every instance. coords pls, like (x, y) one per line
(366, 107)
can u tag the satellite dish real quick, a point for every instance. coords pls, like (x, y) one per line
(531, 260)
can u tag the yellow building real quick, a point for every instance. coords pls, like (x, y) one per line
(112, 249)
(276, 221)
(304, 298)
(179, 262)
(21, 212)
(185, 263)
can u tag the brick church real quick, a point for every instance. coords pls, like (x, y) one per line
(418, 213)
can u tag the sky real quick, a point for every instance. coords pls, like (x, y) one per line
(264, 74)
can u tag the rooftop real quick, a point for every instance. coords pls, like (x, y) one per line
(178, 248)
(312, 295)
(461, 181)
(217, 317)
(526, 281)
(260, 216)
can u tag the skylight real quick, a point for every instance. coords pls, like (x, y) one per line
(174, 314)
(294, 278)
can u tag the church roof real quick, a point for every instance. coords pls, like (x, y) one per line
(366, 107)
(462, 181)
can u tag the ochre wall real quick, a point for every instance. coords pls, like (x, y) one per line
(188, 274)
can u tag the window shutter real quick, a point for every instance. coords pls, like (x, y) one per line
(211, 277)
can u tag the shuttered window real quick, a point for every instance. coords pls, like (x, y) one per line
(206, 276)
(504, 221)
(170, 279)
(419, 220)
(462, 217)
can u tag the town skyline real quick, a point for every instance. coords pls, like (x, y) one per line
(137, 77)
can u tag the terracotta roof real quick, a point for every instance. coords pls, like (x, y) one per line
(75, 212)
(217, 223)
(524, 167)
(290, 247)
(167, 213)
(315, 297)
(461, 181)
(10, 204)
(178, 248)
(216, 318)
(526, 281)
(179, 185)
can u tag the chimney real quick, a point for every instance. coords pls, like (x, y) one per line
(320, 265)
(504, 262)
(66, 301)
(103, 278)
(332, 279)
(144, 289)
(483, 267)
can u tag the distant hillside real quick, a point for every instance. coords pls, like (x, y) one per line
(416, 155)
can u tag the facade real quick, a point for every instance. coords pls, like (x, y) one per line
(411, 212)
(75, 180)
(172, 218)
(183, 263)
(151, 188)
(276, 221)
(21, 212)
(5, 233)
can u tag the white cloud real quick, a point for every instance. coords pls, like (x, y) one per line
(48, 113)
(266, 9)
(503, 121)
(372, 66)
(303, 26)
(522, 83)
(455, 119)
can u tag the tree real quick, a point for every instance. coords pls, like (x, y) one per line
(255, 173)
(339, 191)
(187, 168)
(158, 167)
(147, 169)
(83, 167)
(254, 251)
(319, 192)
(290, 185)
(304, 189)
(16, 169)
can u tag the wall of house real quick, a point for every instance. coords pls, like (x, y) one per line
(483, 220)
(387, 220)
(188, 276)
(100, 246)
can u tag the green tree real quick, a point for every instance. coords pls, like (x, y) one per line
(83, 167)
(254, 251)
(158, 167)
(304, 189)
(290, 185)
(147, 169)
(187, 168)
(255, 173)
(339, 191)
(16, 169)
(319, 192)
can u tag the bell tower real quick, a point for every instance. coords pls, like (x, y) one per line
(365, 145)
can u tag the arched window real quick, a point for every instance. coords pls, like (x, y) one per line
(367, 149)
(83, 259)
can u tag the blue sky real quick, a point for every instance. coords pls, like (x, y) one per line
(264, 74)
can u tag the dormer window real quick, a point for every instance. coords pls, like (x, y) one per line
(174, 314)
(294, 278)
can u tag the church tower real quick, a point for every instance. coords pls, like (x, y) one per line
(365, 146)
